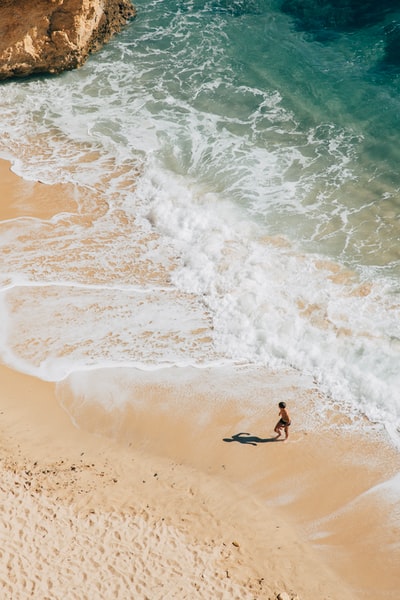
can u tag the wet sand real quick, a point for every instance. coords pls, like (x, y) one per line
(187, 494)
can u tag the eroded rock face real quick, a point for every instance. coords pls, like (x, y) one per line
(50, 36)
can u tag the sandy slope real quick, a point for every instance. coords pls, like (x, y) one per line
(85, 517)
(149, 503)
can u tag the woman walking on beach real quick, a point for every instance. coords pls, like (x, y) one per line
(284, 421)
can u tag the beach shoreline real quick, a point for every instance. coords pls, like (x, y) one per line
(237, 516)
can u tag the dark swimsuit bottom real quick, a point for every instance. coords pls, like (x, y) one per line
(284, 423)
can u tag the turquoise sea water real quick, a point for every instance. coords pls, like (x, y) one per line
(251, 172)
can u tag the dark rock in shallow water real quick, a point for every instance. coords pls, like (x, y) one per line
(326, 19)
(392, 44)
(50, 36)
(314, 15)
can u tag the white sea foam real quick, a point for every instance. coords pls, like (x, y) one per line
(220, 220)
(52, 331)
(271, 305)
(232, 295)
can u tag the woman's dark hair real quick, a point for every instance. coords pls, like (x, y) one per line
(282, 404)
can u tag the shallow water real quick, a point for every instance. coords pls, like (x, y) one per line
(239, 204)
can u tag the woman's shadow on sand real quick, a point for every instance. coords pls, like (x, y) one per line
(247, 438)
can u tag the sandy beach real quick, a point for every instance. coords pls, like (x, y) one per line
(154, 501)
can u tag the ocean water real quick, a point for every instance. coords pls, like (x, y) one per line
(240, 203)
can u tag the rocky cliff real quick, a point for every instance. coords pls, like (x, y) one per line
(50, 36)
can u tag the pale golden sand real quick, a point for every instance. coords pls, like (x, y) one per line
(86, 517)
(32, 198)
(156, 502)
